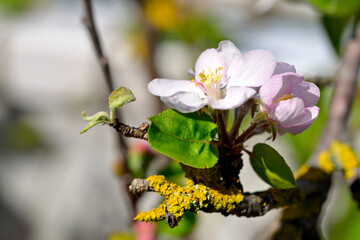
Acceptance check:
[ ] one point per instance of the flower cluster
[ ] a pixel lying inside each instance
(225, 78)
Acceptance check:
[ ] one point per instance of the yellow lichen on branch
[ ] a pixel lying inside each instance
(154, 215)
(339, 156)
(302, 171)
(192, 197)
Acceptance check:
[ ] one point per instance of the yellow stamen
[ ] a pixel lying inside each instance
(285, 97)
(210, 82)
(211, 77)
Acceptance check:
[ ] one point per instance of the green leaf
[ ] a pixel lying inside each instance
(337, 7)
(271, 167)
(100, 117)
(184, 137)
(334, 27)
(119, 97)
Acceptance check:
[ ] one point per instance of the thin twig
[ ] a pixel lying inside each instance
(88, 20)
(343, 97)
(246, 133)
(127, 131)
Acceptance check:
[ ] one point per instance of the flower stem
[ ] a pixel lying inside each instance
(222, 128)
(240, 113)
(244, 136)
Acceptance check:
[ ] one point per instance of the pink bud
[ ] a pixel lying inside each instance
(290, 102)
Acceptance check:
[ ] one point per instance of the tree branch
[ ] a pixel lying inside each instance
(89, 22)
(252, 205)
(139, 186)
(310, 193)
(127, 131)
(300, 221)
(343, 96)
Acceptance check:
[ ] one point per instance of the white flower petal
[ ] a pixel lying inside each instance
(228, 51)
(185, 102)
(235, 96)
(166, 87)
(251, 69)
(210, 58)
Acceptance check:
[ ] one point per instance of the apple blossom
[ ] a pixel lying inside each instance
(224, 79)
(289, 101)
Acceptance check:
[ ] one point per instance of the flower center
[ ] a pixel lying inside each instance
(285, 97)
(210, 83)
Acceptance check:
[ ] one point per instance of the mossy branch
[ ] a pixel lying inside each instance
(198, 197)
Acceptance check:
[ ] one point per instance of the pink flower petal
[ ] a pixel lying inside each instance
(167, 87)
(228, 51)
(282, 67)
(251, 69)
(308, 92)
(289, 113)
(235, 96)
(278, 86)
(185, 102)
(290, 81)
(269, 90)
(298, 129)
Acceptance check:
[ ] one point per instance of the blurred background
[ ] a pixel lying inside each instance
(57, 184)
